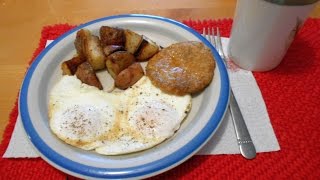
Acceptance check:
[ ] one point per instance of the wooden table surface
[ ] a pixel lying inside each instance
(21, 23)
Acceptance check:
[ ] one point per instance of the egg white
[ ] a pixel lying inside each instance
(114, 123)
(81, 115)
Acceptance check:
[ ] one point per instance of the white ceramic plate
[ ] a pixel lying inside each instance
(208, 107)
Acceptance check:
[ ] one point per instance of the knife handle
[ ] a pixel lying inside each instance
(245, 143)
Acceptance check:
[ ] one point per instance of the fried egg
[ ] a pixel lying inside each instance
(118, 122)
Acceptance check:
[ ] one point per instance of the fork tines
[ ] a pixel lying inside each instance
(215, 39)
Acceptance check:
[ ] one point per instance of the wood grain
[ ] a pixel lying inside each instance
(21, 23)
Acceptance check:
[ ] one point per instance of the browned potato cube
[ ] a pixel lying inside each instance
(69, 67)
(146, 50)
(133, 41)
(89, 49)
(79, 43)
(113, 68)
(118, 61)
(94, 53)
(65, 69)
(111, 49)
(112, 36)
(86, 74)
(129, 76)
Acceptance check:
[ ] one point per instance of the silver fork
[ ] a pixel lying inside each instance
(244, 140)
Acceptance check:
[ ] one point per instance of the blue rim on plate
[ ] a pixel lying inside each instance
(154, 167)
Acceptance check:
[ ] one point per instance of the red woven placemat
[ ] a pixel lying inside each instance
(291, 92)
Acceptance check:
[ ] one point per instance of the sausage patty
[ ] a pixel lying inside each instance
(182, 68)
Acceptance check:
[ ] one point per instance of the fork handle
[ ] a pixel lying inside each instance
(245, 143)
